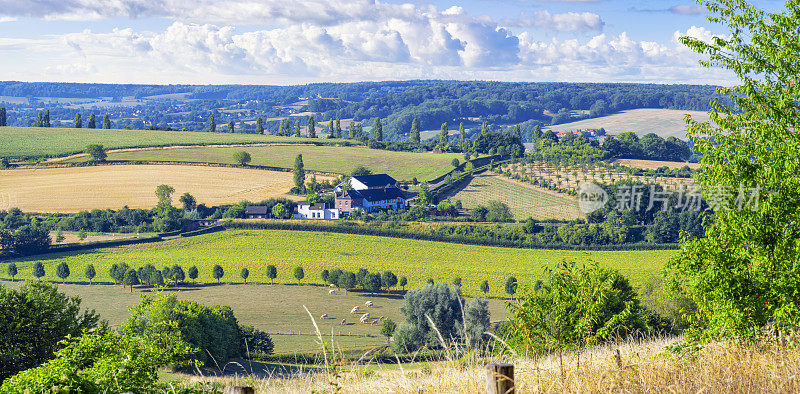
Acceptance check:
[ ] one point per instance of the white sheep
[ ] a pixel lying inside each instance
(324, 316)
(354, 310)
(365, 316)
(375, 322)
(331, 291)
(344, 321)
(368, 303)
(332, 285)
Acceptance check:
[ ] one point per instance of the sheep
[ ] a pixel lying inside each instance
(375, 322)
(354, 310)
(332, 285)
(331, 291)
(324, 316)
(368, 303)
(344, 321)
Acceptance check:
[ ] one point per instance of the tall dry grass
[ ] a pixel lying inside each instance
(645, 367)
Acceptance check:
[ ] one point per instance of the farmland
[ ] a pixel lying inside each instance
(664, 122)
(314, 251)
(523, 199)
(37, 142)
(400, 165)
(78, 188)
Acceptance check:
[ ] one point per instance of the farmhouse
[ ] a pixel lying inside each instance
(307, 210)
(256, 212)
(371, 193)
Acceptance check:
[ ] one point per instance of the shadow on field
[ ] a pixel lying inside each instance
(243, 367)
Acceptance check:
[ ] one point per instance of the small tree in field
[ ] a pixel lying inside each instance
(131, 279)
(511, 286)
(485, 287)
(38, 270)
(457, 281)
(387, 329)
(193, 273)
(244, 274)
(388, 279)
(90, 272)
(241, 158)
(299, 274)
(217, 272)
(403, 282)
(96, 151)
(324, 275)
(272, 273)
(12, 270)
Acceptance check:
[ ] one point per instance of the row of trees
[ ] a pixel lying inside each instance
(372, 282)
(43, 120)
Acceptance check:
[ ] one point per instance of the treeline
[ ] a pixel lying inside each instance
(574, 149)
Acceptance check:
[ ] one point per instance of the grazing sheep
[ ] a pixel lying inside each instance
(381, 318)
(365, 316)
(344, 321)
(375, 322)
(331, 291)
(354, 310)
(368, 303)
(324, 316)
(333, 285)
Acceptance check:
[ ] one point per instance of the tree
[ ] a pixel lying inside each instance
(78, 121)
(444, 134)
(331, 132)
(92, 122)
(106, 122)
(325, 275)
(388, 279)
(260, 126)
(387, 329)
(244, 274)
(90, 273)
(434, 305)
(212, 124)
(177, 274)
(377, 130)
(297, 128)
(279, 211)
(38, 270)
(131, 279)
(425, 196)
(476, 321)
(312, 127)
(241, 157)
(511, 286)
(46, 118)
(462, 136)
(338, 128)
(360, 130)
(346, 280)
(97, 152)
(517, 132)
(231, 126)
(299, 172)
(498, 211)
(455, 163)
(36, 318)
(485, 287)
(188, 202)
(217, 272)
(3, 118)
(39, 121)
(403, 282)
(117, 272)
(193, 273)
(164, 194)
(457, 281)
(299, 274)
(258, 342)
(272, 273)
(414, 134)
(371, 282)
(12, 270)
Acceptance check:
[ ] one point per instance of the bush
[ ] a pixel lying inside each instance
(33, 320)
(257, 342)
(441, 303)
(476, 321)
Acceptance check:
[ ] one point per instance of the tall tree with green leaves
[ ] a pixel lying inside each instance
(299, 172)
(46, 118)
(272, 273)
(360, 130)
(281, 127)
(462, 134)
(231, 126)
(351, 130)
(485, 287)
(131, 279)
(244, 274)
(38, 270)
(39, 120)
(106, 122)
(297, 128)
(193, 273)
(3, 118)
(96, 151)
(331, 131)
(260, 126)
(312, 127)
(299, 274)
(212, 123)
(414, 134)
(744, 274)
(377, 130)
(484, 128)
(217, 272)
(517, 131)
(444, 134)
(92, 122)
(338, 128)
(89, 272)
(12, 270)
(78, 121)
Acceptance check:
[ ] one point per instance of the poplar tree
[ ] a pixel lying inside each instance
(39, 121)
(377, 130)
(260, 126)
(444, 134)
(484, 128)
(330, 129)
(280, 127)
(462, 135)
(351, 130)
(414, 135)
(106, 122)
(299, 172)
(297, 128)
(212, 124)
(3, 120)
(360, 130)
(338, 128)
(78, 121)
(230, 126)
(517, 131)
(46, 118)
(312, 127)
(92, 122)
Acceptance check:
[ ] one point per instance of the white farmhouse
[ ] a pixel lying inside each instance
(307, 210)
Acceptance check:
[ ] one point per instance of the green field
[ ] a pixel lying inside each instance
(339, 159)
(524, 200)
(50, 142)
(315, 251)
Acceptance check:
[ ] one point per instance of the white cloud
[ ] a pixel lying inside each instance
(7, 19)
(684, 9)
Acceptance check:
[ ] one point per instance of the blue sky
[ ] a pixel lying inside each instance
(300, 41)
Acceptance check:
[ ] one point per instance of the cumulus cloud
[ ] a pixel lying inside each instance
(568, 21)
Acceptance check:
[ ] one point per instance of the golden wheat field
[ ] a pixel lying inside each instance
(85, 188)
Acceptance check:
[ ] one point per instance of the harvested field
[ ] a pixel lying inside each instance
(654, 164)
(664, 122)
(85, 188)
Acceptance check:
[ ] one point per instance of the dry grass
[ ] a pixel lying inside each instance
(75, 189)
(654, 164)
(664, 122)
(646, 367)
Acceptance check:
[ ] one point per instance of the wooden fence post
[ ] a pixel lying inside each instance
(499, 378)
(240, 390)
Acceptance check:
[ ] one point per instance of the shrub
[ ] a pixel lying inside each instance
(476, 321)
(257, 342)
(441, 303)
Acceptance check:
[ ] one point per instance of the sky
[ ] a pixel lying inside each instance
(287, 42)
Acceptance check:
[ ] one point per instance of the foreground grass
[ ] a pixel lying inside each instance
(48, 142)
(645, 367)
(314, 251)
(338, 159)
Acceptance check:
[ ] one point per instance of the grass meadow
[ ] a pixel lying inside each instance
(664, 122)
(524, 200)
(418, 260)
(340, 159)
(115, 186)
(35, 142)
